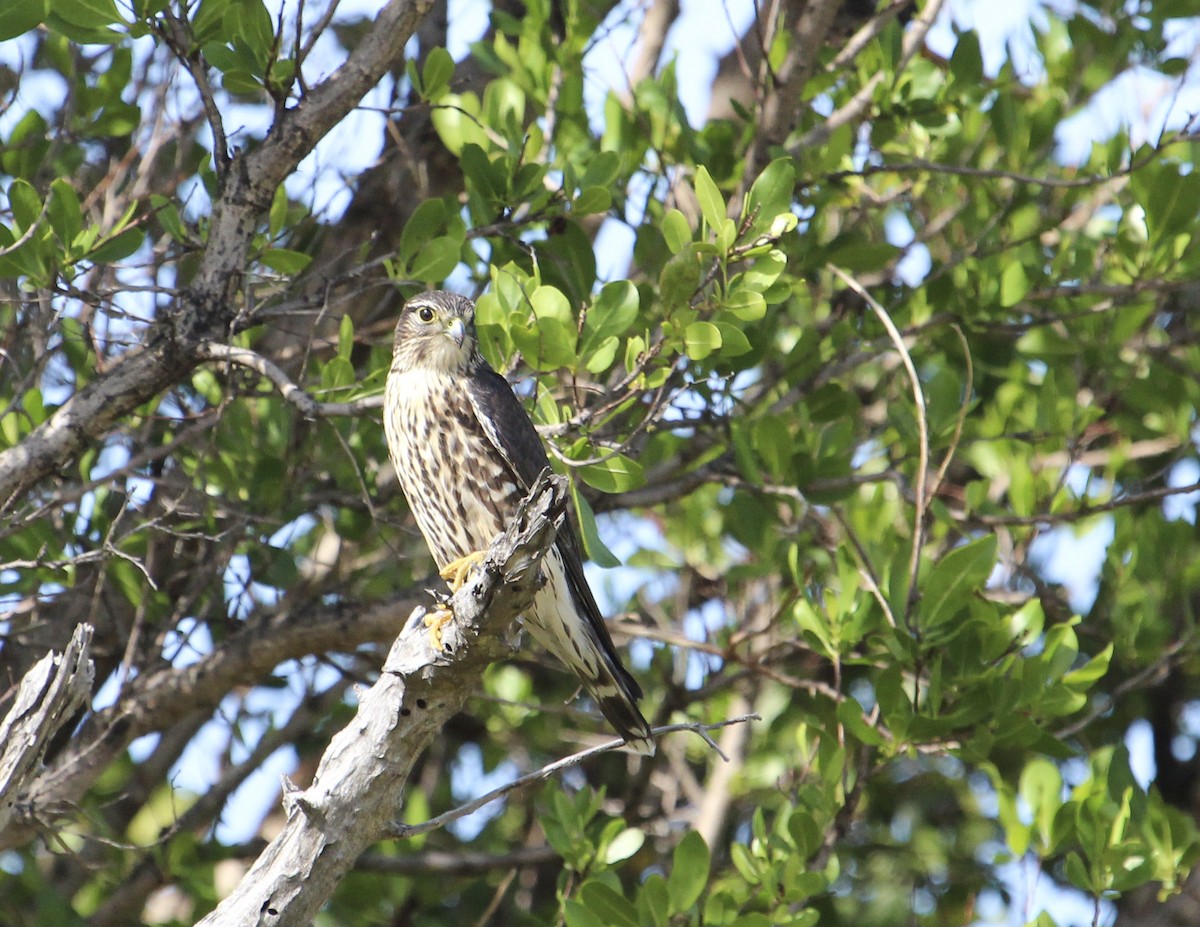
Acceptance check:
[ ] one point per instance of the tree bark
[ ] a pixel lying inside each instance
(359, 786)
(50, 694)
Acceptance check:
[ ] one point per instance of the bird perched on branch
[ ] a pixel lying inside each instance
(466, 453)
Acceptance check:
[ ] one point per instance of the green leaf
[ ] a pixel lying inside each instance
(345, 337)
(712, 204)
(678, 281)
(435, 77)
(168, 215)
(956, 578)
(567, 261)
(859, 256)
(337, 373)
(593, 547)
(128, 579)
(764, 271)
(652, 901)
(435, 262)
(34, 406)
(1091, 672)
(10, 428)
(456, 121)
(602, 170)
(118, 247)
(624, 845)
(600, 358)
(1013, 284)
(753, 919)
(747, 305)
(18, 18)
(578, 915)
(1077, 873)
(66, 215)
(283, 261)
(733, 340)
(27, 145)
(1041, 788)
(91, 14)
(25, 202)
(242, 81)
(966, 64)
(772, 192)
(210, 21)
(1169, 207)
(783, 224)
(676, 230)
(745, 863)
(701, 339)
(613, 312)
(612, 909)
(617, 473)
(850, 714)
(689, 872)
(591, 200)
(549, 303)
(504, 107)
(277, 214)
(547, 344)
(426, 219)
(253, 34)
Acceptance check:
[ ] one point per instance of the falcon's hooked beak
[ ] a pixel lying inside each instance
(457, 330)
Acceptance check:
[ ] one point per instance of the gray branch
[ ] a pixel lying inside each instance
(48, 697)
(359, 785)
(160, 698)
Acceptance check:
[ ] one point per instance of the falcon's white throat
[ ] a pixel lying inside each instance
(445, 355)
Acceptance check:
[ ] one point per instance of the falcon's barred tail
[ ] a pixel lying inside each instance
(582, 649)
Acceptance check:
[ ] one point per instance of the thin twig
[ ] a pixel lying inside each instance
(940, 476)
(178, 38)
(857, 106)
(1086, 511)
(921, 165)
(28, 233)
(455, 865)
(922, 501)
(864, 36)
(1151, 675)
(292, 393)
(401, 830)
(866, 567)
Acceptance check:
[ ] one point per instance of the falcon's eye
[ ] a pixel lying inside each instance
(425, 314)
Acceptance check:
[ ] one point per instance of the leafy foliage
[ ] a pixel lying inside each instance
(881, 366)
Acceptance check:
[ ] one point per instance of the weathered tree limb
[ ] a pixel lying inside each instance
(359, 785)
(49, 695)
(159, 698)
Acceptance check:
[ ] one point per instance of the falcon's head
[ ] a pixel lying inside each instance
(436, 332)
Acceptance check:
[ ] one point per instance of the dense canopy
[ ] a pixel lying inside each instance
(870, 351)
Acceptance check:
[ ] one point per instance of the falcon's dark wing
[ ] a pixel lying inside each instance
(507, 425)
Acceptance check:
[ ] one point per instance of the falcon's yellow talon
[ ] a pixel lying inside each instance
(435, 621)
(455, 572)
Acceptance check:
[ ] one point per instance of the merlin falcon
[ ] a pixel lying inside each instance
(466, 454)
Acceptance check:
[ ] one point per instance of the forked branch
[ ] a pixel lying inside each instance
(362, 777)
